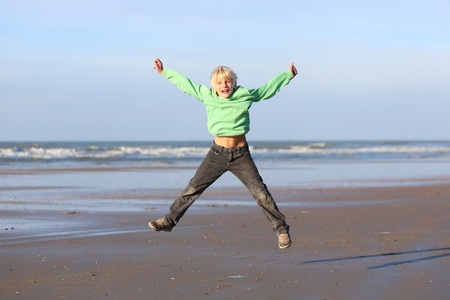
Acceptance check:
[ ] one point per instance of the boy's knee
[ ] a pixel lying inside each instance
(190, 190)
(263, 197)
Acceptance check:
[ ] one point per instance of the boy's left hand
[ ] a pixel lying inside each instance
(293, 69)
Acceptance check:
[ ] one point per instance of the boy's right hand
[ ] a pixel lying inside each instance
(158, 66)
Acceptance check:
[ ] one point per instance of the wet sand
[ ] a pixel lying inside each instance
(348, 243)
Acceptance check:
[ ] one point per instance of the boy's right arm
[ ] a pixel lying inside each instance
(182, 82)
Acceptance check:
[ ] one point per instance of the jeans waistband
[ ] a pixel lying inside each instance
(232, 149)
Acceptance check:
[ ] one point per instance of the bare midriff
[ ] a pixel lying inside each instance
(231, 141)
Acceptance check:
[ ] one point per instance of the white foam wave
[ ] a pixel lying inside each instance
(176, 152)
(312, 149)
(37, 153)
(94, 152)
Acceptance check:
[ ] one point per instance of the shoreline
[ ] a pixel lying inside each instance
(388, 242)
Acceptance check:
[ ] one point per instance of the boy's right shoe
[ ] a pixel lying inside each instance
(160, 225)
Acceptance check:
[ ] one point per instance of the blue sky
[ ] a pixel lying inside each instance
(83, 70)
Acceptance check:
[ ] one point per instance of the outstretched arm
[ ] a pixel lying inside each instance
(274, 85)
(158, 65)
(182, 82)
(291, 68)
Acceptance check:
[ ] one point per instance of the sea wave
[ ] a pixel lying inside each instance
(173, 152)
(98, 153)
(398, 149)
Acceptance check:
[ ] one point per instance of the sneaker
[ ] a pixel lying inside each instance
(284, 241)
(160, 225)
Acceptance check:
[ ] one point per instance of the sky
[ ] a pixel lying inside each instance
(83, 70)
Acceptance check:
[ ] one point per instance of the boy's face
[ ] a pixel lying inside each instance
(224, 87)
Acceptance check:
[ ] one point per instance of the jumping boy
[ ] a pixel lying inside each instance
(227, 107)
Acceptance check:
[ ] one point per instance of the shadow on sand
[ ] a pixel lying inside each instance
(389, 254)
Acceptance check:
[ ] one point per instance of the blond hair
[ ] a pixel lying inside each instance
(223, 72)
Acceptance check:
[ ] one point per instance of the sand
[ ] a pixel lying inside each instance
(348, 243)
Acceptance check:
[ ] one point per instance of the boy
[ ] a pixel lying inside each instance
(227, 107)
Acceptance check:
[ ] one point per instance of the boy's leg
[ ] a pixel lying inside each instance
(244, 168)
(212, 167)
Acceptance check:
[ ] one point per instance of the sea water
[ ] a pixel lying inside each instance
(17, 154)
(172, 164)
(49, 179)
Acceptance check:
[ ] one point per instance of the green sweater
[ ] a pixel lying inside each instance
(228, 116)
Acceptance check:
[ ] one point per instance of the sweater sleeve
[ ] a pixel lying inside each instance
(272, 87)
(186, 85)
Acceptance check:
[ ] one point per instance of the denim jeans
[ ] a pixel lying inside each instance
(238, 161)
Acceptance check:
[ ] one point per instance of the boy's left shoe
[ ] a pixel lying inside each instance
(284, 240)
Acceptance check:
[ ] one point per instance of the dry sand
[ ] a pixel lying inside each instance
(364, 243)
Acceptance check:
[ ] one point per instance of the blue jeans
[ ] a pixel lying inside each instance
(238, 161)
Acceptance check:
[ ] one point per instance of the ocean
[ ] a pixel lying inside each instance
(112, 177)
(121, 154)
(172, 164)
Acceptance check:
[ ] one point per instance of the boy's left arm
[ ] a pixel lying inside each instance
(274, 85)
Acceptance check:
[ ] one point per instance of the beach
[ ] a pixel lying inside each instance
(81, 233)
(368, 220)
